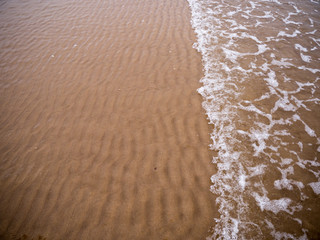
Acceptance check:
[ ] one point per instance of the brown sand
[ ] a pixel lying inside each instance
(102, 131)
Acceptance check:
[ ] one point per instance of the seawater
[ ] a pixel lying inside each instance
(261, 94)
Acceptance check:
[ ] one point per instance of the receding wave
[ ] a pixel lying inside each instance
(261, 94)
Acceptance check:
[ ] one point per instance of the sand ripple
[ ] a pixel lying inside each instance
(102, 132)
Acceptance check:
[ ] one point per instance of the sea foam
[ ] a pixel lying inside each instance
(261, 94)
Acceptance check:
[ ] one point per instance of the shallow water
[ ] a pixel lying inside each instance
(261, 94)
(102, 134)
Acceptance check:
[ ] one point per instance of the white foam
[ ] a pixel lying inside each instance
(283, 63)
(315, 187)
(284, 182)
(284, 34)
(305, 58)
(286, 161)
(274, 206)
(283, 235)
(257, 170)
(299, 47)
(271, 79)
(242, 181)
(308, 130)
(313, 70)
(254, 138)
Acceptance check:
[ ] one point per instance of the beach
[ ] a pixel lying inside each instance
(187, 119)
(102, 131)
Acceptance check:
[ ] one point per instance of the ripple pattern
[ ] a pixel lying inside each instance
(102, 134)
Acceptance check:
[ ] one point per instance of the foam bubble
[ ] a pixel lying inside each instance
(284, 34)
(271, 79)
(274, 206)
(299, 47)
(305, 58)
(315, 187)
(242, 181)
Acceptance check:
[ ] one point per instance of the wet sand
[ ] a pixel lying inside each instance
(102, 134)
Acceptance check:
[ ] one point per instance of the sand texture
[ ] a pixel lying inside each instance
(102, 134)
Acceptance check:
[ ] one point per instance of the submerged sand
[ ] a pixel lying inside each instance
(101, 128)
